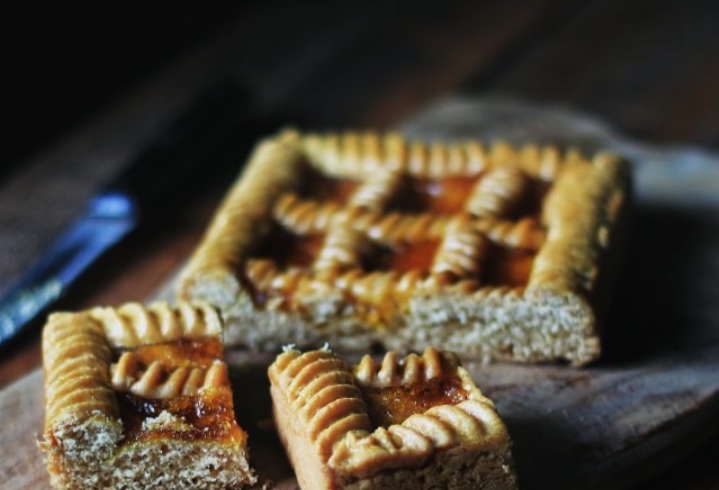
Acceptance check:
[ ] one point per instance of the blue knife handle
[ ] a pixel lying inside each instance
(109, 217)
(209, 130)
(23, 305)
(213, 129)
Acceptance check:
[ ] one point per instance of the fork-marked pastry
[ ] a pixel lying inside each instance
(496, 253)
(139, 397)
(412, 423)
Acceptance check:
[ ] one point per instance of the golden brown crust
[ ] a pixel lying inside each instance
(323, 418)
(100, 362)
(512, 240)
(76, 361)
(577, 216)
(156, 382)
(133, 324)
(243, 216)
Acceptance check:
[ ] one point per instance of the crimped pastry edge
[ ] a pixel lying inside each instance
(345, 447)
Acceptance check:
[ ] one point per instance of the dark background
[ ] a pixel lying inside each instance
(64, 64)
(648, 68)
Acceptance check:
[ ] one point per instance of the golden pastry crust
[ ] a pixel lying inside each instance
(418, 417)
(157, 382)
(359, 239)
(125, 384)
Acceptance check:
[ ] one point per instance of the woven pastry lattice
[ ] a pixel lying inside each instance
(381, 219)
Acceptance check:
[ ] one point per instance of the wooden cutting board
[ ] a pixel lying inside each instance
(607, 426)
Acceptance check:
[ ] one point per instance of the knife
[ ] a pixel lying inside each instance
(207, 133)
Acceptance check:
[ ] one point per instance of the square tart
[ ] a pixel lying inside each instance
(139, 397)
(414, 423)
(497, 253)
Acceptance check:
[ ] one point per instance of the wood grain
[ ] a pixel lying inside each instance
(648, 402)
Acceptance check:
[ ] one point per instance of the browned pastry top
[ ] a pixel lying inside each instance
(372, 221)
(155, 371)
(395, 414)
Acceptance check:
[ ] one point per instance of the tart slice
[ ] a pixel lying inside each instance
(415, 423)
(139, 397)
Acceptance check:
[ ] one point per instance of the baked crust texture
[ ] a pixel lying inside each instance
(417, 422)
(116, 382)
(496, 253)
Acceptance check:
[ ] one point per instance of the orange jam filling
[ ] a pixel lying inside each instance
(531, 205)
(507, 267)
(287, 249)
(403, 257)
(181, 353)
(207, 416)
(393, 405)
(320, 187)
(437, 196)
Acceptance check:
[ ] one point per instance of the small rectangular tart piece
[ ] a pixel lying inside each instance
(139, 397)
(412, 423)
(496, 253)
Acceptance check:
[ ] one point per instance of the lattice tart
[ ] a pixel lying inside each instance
(139, 397)
(359, 239)
(414, 423)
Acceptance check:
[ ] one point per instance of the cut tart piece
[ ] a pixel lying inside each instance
(362, 239)
(139, 397)
(415, 423)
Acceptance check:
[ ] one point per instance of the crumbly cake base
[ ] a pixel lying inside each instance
(454, 469)
(172, 465)
(90, 462)
(499, 326)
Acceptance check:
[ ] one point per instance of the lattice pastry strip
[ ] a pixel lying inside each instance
(156, 381)
(364, 426)
(343, 245)
(495, 195)
(306, 217)
(133, 324)
(495, 252)
(353, 154)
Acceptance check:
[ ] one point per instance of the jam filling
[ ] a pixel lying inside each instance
(207, 416)
(531, 205)
(505, 266)
(287, 249)
(500, 266)
(320, 187)
(393, 405)
(402, 257)
(437, 196)
(180, 353)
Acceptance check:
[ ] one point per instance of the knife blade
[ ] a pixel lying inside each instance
(206, 132)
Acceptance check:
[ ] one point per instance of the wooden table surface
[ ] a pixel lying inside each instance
(647, 68)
